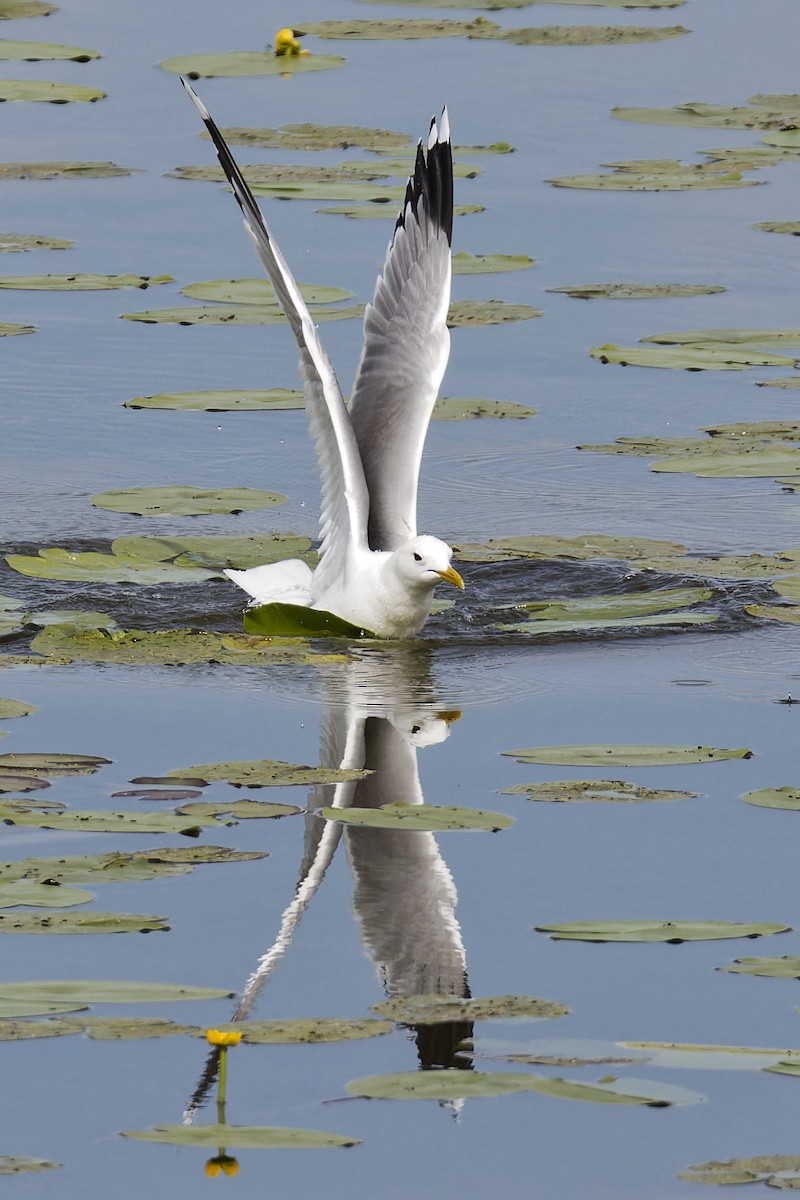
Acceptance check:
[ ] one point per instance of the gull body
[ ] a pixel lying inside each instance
(374, 570)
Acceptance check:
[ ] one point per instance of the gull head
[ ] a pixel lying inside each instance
(424, 561)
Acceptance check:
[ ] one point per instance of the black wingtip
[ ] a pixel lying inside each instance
(432, 180)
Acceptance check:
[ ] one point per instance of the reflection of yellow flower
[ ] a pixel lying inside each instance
(225, 1163)
(287, 45)
(222, 1037)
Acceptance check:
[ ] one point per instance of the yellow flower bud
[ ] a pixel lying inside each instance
(222, 1037)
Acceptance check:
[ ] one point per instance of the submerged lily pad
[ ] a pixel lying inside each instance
(232, 400)
(787, 967)
(13, 242)
(52, 93)
(14, 708)
(604, 791)
(40, 895)
(778, 1170)
(65, 170)
(782, 797)
(99, 821)
(107, 991)
(240, 63)
(217, 550)
(436, 1009)
(259, 291)
(434, 817)
(235, 1137)
(184, 501)
(268, 772)
(454, 408)
(452, 1084)
(43, 51)
(657, 931)
(104, 568)
(699, 357)
(489, 264)
(582, 547)
(80, 282)
(624, 756)
(488, 312)
(638, 291)
(20, 1166)
(91, 922)
(308, 136)
(293, 620)
(241, 314)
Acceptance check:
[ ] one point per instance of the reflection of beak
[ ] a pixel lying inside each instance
(451, 576)
(453, 714)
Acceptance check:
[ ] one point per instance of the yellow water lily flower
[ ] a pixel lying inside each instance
(287, 45)
(222, 1037)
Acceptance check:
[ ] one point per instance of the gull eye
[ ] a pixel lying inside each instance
(417, 557)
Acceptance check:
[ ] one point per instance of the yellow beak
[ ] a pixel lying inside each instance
(452, 576)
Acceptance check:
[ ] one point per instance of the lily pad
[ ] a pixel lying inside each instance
(308, 136)
(14, 708)
(684, 178)
(11, 10)
(185, 501)
(259, 291)
(603, 791)
(104, 568)
(293, 177)
(386, 212)
(268, 772)
(63, 170)
(43, 51)
(41, 895)
(787, 614)
(452, 1084)
(790, 227)
(308, 1030)
(13, 242)
(240, 63)
(52, 764)
(232, 400)
(787, 967)
(293, 620)
(235, 1137)
(583, 35)
(169, 647)
(91, 922)
(778, 1170)
(23, 1031)
(17, 781)
(242, 314)
(724, 566)
(194, 854)
(638, 291)
(538, 628)
(455, 408)
(434, 817)
(79, 282)
(106, 991)
(9, 329)
(393, 30)
(496, 5)
(624, 756)
(790, 588)
(590, 609)
(78, 618)
(699, 357)
(126, 1029)
(21, 1166)
(217, 550)
(95, 868)
(52, 93)
(490, 264)
(582, 547)
(240, 809)
(488, 312)
(436, 1009)
(657, 931)
(712, 116)
(787, 798)
(737, 336)
(98, 821)
(749, 464)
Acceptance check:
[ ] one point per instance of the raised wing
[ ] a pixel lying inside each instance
(345, 502)
(406, 346)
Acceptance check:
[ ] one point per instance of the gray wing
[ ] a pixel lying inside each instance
(406, 346)
(345, 502)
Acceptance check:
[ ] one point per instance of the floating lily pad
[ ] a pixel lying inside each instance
(11, 10)
(385, 211)
(293, 620)
(790, 227)
(107, 991)
(582, 547)
(240, 809)
(790, 588)
(624, 756)
(43, 51)
(684, 178)
(451, 1084)
(603, 791)
(728, 566)
(65, 170)
(316, 137)
(91, 922)
(242, 314)
(17, 781)
(787, 614)
(14, 708)
(268, 772)
(749, 464)
(24, 1008)
(9, 807)
(778, 1170)
(185, 501)
(436, 1009)
(217, 550)
(52, 764)
(719, 1058)
(168, 647)
(235, 1137)
(80, 282)
(638, 291)
(490, 264)
(537, 628)
(787, 967)
(104, 568)
(78, 618)
(583, 35)
(259, 291)
(783, 137)
(9, 329)
(556, 1052)
(20, 1166)
(293, 177)
(233, 400)
(248, 62)
(126, 1029)
(172, 795)
(737, 336)
(12, 242)
(41, 895)
(96, 868)
(657, 931)
(12, 619)
(308, 1030)
(699, 357)
(434, 817)
(784, 1068)
(23, 1031)
(712, 116)
(98, 821)
(782, 797)
(52, 93)
(488, 312)
(496, 5)
(392, 30)
(592, 610)
(453, 408)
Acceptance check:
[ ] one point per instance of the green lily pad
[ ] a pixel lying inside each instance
(241, 63)
(790, 588)
(738, 336)
(782, 137)
(293, 620)
(582, 547)
(232, 400)
(23, 1008)
(240, 809)
(624, 756)
(9, 329)
(308, 1030)
(657, 931)
(786, 382)
(749, 464)
(538, 628)
(63, 170)
(784, 1068)
(43, 51)
(790, 227)
(14, 708)
(638, 291)
(434, 817)
(8, 808)
(719, 1058)
(79, 282)
(17, 781)
(684, 178)
(455, 408)
(91, 922)
(107, 991)
(11, 10)
(78, 618)
(392, 30)
(13, 242)
(293, 177)
(711, 116)
(778, 1170)
(52, 93)
(386, 212)
(97, 821)
(583, 35)
(490, 264)
(41, 895)
(268, 772)
(787, 614)
(451, 1084)
(169, 647)
(94, 868)
(52, 764)
(556, 1052)
(728, 566)
(699, 357)
(316, 137)
(590, 609)
(20, 1166)
(235, 1137)
(488, 312)
(242, 314)
(192, 855)
(259, 291)
(787, 798)
(126, 1029)
(184, 501)
(23, 1031)
(604, 791)
(104, 568)
(217, 551)
(436, 1009)
(787, 967)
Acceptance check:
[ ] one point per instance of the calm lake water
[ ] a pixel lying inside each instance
(398, 913)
